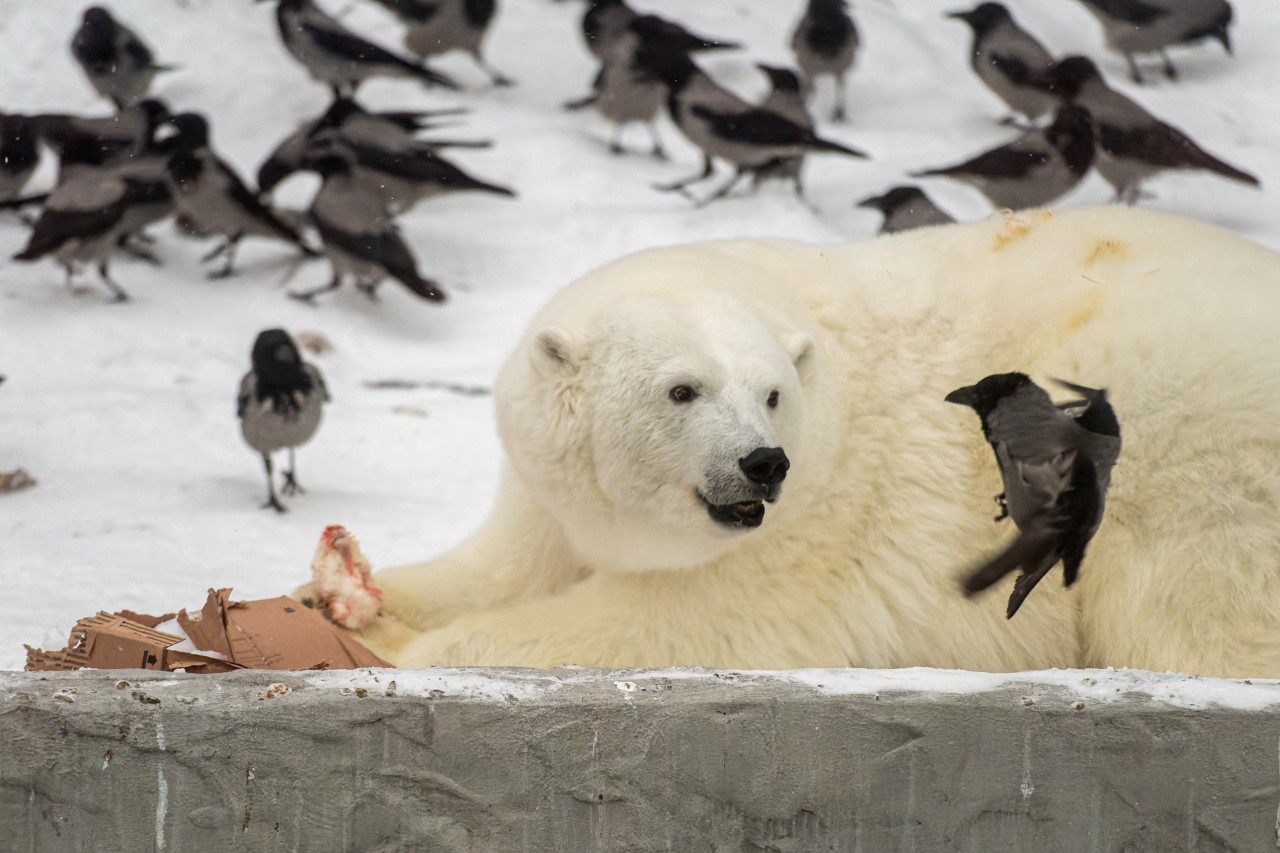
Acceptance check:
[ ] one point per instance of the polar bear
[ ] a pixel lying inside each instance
(737, 454)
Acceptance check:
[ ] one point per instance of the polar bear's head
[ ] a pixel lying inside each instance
(655, 419)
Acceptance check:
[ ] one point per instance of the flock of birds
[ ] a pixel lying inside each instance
(119, 174)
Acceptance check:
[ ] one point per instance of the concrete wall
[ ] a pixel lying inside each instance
(682, 760)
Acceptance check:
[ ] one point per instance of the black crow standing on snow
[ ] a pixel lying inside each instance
(605, 21)
(1008, 59)
(360, 236)
(391, 132)
(279, 405)
(1037, 168)
(439, 26)
(119, 65)
(402, 179)
(336, 56)
(82, 221)
(1149, 26)
(625, 90)
(1133, 145)
(214, 199)
(102, 197)
(904, 208)
(786, 98)
(721, 124)
(825, 42)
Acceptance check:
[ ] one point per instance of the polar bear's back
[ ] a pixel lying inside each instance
(1180, 320)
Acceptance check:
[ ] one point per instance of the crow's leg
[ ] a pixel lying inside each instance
(117, 292)
(228, 268)
(290, 485)
(724, 190)
(272, 501)
(496, 77)
(129, 244)
(309, 296)
(1133, 68)
(837, 112)
(679, 186)
(217, 251)
(657, 152)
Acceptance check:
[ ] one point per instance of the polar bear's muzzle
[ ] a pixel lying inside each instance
(765, 468)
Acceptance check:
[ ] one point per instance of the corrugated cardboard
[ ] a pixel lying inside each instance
(110, 641)
(273, 633)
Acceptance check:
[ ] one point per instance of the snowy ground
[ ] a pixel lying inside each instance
(125, 413)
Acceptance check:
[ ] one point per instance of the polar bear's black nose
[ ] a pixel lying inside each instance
(765, 465)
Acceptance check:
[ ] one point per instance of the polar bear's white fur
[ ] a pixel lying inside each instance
(600, 549)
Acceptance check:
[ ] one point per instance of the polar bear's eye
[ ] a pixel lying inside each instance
(682, 394)
(773, 400)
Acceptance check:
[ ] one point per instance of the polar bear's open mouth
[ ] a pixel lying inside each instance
(740, 514)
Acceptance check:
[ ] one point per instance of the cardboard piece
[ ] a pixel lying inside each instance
(273, 633)
(110, 641)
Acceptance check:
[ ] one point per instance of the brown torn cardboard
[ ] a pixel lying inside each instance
(274, 633)
(110, 641)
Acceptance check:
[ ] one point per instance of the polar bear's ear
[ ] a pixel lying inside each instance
(552, 353)
(800, 347)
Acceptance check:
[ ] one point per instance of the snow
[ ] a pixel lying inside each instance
(1060, 686)
(147, 495)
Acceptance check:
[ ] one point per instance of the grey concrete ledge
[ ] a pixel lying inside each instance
(684, 760)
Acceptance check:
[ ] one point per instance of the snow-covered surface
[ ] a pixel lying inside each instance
(1091, 686)
(125, 413)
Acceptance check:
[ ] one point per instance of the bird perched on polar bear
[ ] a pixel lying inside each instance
(628, 530)
(1055, 463)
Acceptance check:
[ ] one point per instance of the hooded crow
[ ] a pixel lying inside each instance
(336, 56)
(1132, 144)
(214, 199)
(904, 208)
(119, 65)
(786, 98)
(825, 42)
(1008, 59)
(360, 236)
(625, 89)
(1036, 169)
(1132, 27)
(392, 132)
(279, 405)
(439, 26)
(721, 124)
(1055, 462)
